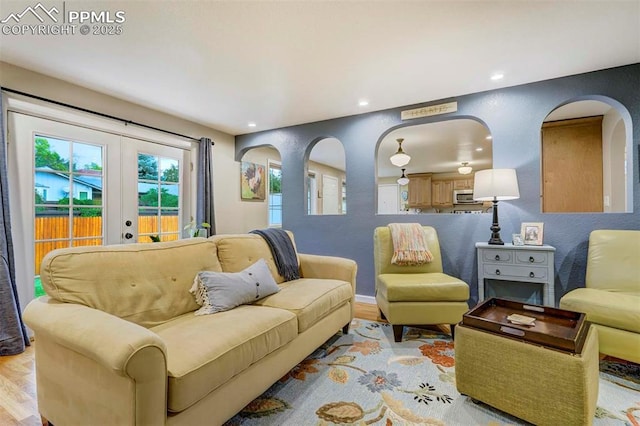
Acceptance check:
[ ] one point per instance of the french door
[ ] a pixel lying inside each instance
(74, 186)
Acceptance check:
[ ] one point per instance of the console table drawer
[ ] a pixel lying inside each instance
(531, 258)
(520, 272)
(502, 256)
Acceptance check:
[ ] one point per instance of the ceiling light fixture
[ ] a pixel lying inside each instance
(497, 76)
(478, 149)
(403, 180)
(465, 169)
(400, 158)
(489, 137)
(363, 102)
(251, 124)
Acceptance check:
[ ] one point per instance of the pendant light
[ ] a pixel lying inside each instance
(465, 169)
(403, 180)
(400, 158)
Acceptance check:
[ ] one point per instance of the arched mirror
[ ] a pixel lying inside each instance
(585, 159)
(260, 186)
(438, 178)
(326, 178)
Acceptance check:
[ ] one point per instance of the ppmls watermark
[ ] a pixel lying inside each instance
(58, 20)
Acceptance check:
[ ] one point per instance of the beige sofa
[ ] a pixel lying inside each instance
(117, 341)
(611, 296)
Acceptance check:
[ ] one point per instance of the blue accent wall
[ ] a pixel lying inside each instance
(514, 117)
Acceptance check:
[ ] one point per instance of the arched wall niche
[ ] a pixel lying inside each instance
(587, 157)
(261, 192)
(439, 149)
(325, 177)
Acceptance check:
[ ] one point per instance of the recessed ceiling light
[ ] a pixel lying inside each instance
(489, 137)
(363, 102)
(252, 124)
(479, 149)
(497, 76)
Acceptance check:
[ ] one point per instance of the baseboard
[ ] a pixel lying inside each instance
(365, 299)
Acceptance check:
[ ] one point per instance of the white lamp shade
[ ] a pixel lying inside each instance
(495, 184)
(400, 159)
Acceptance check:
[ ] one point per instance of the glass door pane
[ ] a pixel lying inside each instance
(160, 197)
(68, 203)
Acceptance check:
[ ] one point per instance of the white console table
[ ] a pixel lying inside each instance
(530, 264)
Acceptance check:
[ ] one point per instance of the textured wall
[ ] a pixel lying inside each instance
(514, 116)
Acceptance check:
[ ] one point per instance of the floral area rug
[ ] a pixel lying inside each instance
(367, 378)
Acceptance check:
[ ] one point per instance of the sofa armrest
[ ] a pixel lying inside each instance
(93, 361)
(328, 267)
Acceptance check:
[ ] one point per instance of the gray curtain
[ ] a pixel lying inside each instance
(204, 193)
(13, 334)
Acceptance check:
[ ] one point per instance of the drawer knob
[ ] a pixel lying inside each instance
(532, 275)
(497, 271)
(497, 257)
(531, 259)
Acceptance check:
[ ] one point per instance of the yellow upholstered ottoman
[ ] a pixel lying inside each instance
(537, 384)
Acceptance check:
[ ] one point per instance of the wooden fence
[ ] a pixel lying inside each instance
(57, 228)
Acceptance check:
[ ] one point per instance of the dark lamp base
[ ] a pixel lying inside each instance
(495, 227)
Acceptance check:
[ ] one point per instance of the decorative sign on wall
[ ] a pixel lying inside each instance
(429, 110)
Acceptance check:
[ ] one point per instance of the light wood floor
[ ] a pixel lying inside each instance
(18, 405)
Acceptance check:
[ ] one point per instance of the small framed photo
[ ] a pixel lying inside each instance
(517, 239)
(532, 233)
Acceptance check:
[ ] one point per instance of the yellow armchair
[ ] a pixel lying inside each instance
(611, 296)
(416, 295)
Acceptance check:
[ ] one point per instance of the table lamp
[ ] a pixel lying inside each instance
(495, 185)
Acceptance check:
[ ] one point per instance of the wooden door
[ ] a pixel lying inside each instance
(572, 165)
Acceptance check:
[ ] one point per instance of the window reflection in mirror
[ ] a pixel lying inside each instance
(440, 153)
(326, 178)
(584, 159)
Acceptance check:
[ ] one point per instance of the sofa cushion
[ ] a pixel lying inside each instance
(310, 299)
(435, 286)
(143, 283)
(221, 291)
(614, 309)
(238, 251)
(203, 352)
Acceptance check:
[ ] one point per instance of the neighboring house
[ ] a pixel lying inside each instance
(53, 186)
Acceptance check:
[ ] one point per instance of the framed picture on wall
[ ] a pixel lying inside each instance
(252, 181)
(532, 233)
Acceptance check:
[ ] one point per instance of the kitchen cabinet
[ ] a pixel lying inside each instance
(463, 183)
(419, 190)
(442, 193)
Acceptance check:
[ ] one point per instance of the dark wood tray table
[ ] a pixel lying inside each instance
(554, 328)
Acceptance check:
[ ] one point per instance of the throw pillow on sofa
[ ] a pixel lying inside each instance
(221, 291)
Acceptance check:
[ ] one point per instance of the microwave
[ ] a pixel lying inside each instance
(464, 196)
